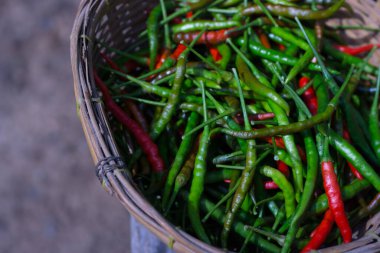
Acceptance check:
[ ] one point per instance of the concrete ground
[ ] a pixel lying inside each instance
(50, 198)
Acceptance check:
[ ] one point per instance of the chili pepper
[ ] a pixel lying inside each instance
(283, 167)
(280, 216)
(111, 63)
(358, 129)
(148, 146)
(264, 39)
(356, 50)
(309, 95)
(292, 127)
(312, 169)
(277, 56)
(178, 51)
(197, 184)
(216, 56)
(348, 192)
(284, 185)
(280, 144)
(354, 157)
(247, 175)
(320, 234)
(225, 52)
(258, 74)
(173, 99)
(137, 115)
(254, 117)
(161, 59)
(289, 37)
(230, 122)
(347, 59)
(300, 65)
(183, 177)
(238, 155)
(152, 28)
(239, 228)
(291, 12)
(258, 88)
(180, 157)
(193, 26)
(270, 185)
(334, 196)
(208, 38)
(374, 120)
(354, 171)
(291, 148)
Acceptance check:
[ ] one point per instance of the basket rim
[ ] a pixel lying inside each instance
(102, 146)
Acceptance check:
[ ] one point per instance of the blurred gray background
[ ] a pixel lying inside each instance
(51, 200)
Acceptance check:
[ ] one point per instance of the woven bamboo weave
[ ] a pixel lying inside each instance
(117, 23)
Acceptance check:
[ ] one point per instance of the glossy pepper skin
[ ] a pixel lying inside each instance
(320, 234)
(330, 183)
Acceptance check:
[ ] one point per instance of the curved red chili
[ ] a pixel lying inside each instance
(319, 235)
(309, 95)
(143, 139)
(334, 196)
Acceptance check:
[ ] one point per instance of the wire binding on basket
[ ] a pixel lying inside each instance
(108, 164)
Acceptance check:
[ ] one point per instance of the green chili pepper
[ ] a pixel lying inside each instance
(291, 12)
(292, 127)
(197, 184)
(152, 27)
(179, 159)
(276, 56)
(354, 157)
(199, 25)
(239, 228)
(173, 99)
(291, 147)
(257, 87)
(284, 185)
(312, 169)
(374, 120)
(247, 174)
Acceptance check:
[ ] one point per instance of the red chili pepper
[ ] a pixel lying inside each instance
(137, 115)
(280, 143)
(356, 50)
(253, 117)
(281, 47)
(130, 65)
(112, 64)
(189, 14)
(208, 38)
(309, 95)
(270, 185)
(281, 166)
(178, 51)
(143, 139)
(177, 20)
(334, 196)
(355, 172)
(216, 56)
(264, 39)
(161, 58)
(319, 235)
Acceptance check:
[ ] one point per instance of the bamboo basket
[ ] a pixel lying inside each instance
(118, 24)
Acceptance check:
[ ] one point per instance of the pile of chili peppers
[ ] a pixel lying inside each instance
(250, 125)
